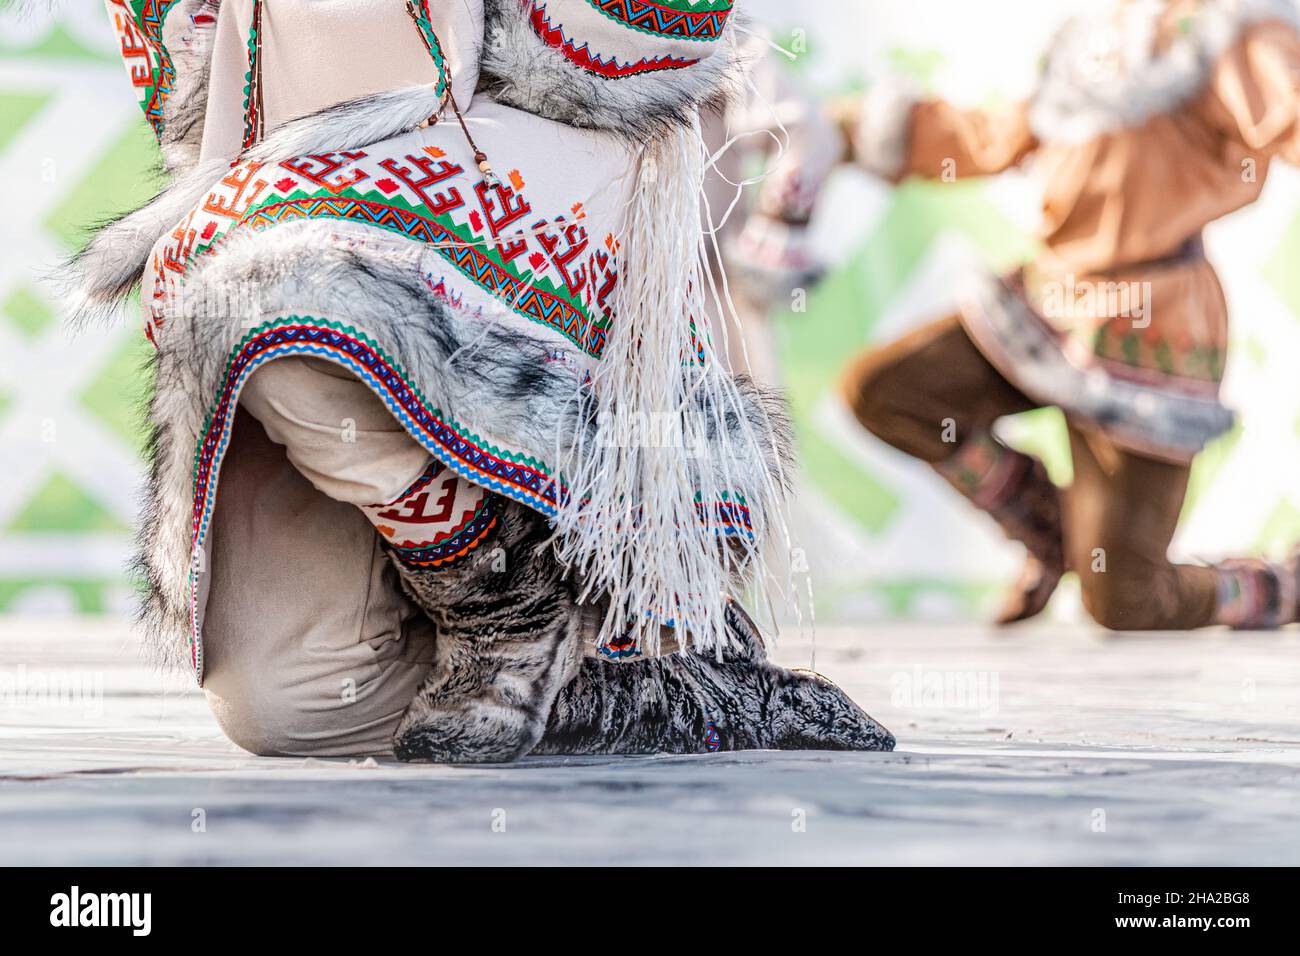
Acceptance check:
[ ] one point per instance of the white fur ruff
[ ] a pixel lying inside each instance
(1099, 79)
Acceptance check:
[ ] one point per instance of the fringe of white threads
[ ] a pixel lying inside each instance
(776, 583)
(640, 526)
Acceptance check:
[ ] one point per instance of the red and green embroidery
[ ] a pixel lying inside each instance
(139, 24)
(1162, 348)
(488, 234)
(1169, 352)
(673, 19)
(984, 470)
(581, 55)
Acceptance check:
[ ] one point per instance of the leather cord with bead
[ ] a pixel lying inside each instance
(490, 178)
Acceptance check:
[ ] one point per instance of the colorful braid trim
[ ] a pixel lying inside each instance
(419, 11)
(139, 25)
(582, 57)
(253, 79)
(712, 739)
(518, 477)
(620, 648)
(677, 20)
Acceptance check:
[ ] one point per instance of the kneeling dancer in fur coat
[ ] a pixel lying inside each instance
(440, 467)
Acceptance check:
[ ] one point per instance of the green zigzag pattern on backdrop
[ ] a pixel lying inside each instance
(58, 43)
(27, 311)
(62, 507)
(1280, 271)
(59, 509)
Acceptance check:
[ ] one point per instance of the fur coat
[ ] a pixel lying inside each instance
(506, 252)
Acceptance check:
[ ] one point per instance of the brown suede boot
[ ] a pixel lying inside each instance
(1014, 490)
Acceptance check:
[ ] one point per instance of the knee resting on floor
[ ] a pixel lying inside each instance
(1121, 600)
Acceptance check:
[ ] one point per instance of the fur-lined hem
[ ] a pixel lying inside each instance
(1158, 422)
(483, 398)
(519, 69)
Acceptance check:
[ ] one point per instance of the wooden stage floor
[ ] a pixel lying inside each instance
(1053, 744)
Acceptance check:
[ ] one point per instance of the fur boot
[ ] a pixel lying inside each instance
(692, 703)
(508, 635)
(509, 676)
(1016, 492)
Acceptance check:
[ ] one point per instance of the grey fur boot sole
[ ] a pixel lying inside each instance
(691, 703)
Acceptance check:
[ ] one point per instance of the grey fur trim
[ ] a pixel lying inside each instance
(508, 639)
(186, 107)
(161, 562)
(492, 377)
(101, 277)
(508, 668)
(520, 70)
(1075, 103)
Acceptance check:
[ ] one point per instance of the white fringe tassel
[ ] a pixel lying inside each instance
(672, 432)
